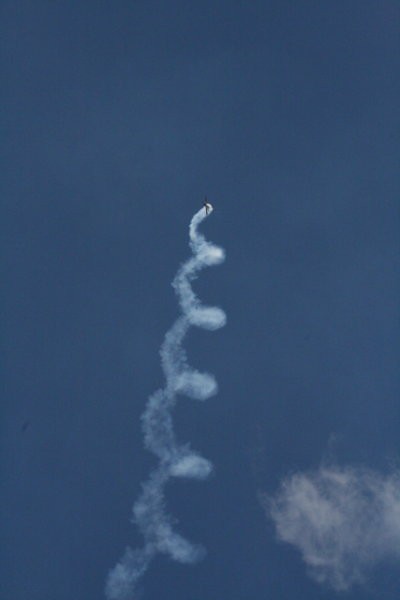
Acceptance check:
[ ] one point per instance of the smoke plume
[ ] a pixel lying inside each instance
(175, 460)
(345, 521)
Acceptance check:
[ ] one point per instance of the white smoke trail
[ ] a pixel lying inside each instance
(175, 460)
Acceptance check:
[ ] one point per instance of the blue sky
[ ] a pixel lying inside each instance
(117, 119)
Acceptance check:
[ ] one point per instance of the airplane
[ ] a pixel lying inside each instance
(207, 205)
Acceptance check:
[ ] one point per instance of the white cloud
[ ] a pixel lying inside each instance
(344, 521)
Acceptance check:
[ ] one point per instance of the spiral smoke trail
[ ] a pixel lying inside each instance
(174, 460)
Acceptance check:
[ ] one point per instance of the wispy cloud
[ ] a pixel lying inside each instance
(343, 520)
(175, 460)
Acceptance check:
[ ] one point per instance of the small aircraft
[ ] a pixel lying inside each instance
(207, 205)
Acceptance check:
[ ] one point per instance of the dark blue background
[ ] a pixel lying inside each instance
(117, 119)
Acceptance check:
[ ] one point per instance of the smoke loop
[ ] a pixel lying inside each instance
(175, 460)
